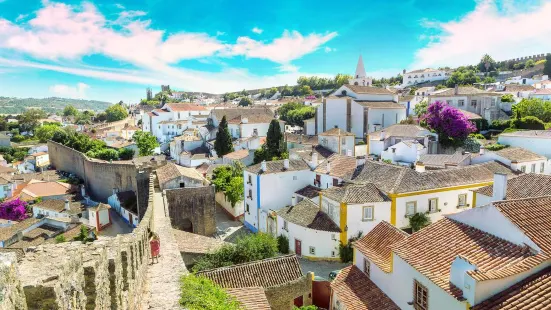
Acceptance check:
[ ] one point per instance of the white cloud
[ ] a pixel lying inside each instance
(119, 6)
(220, 33)
(21, 17)
(257, 30)
(328, 49)
(288, 68)
(66, 91)
(487, 30)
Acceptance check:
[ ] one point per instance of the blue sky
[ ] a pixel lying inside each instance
(112, 51)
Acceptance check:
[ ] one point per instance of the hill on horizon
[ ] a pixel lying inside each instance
(12, 105)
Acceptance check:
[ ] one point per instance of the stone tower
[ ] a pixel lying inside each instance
(360, 77)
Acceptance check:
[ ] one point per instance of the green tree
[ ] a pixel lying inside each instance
(420, 109)
(70, 110)
(29, 120)
(272, 91)
(146, 143)
(283, 244)
(305, 90)
(294, 113)
(530, 63)
(223, 143)
(46, 132)
(547, 66)
(418, 221)
(229, 180)
(462, 77)
(275, 147)
(507, 98)
(346, 251)
(488, 80)
(200, 293)
(486, 64)
(106, 154)
(245, 102)
(116, 113)
(126, 154)
(342, 79)
(60, 239)
(533, 107)
(83, 235)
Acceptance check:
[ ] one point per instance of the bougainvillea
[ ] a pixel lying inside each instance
(452, 126)
(13, 210)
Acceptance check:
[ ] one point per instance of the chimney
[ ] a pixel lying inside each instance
(328, 166)
(314, 159)
(500, 186)
(482, 150)
(456, 90)
(286, 164)
(383, 135)
(294, 200)
(419, 166)
(67, 205)
(263, 166)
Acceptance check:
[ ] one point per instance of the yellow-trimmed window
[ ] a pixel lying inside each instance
(462, 200)
(367, 213)
(411, 207)
(433, 205)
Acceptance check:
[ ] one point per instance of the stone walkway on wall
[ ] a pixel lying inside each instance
(163, 287)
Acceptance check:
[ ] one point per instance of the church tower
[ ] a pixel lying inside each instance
(360, 77)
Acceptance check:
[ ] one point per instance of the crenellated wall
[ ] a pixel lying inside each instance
(109, 273)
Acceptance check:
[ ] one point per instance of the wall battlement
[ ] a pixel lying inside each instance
(109, 273)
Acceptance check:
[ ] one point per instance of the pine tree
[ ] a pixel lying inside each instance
(223, 143)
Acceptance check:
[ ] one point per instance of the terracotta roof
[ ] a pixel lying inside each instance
(99, 207)
(395, 179)
(232, 113)
(308, 214)
(411, 131)
(533, 292)
(263, 273)
(171, 171)
(302, 139)
(470, 115)
(306, 152)
(516, 88)
(425, 70)
(494, 257)
(309, 191)
(368, 90)
(524, 186)
(356, 291)
(532, 216)
(250, 298)
(277, 166)
(4, 169)
(8, 232)
(543, 134)
(518, 154)
(355, 193)
(236, 155)
(58, 205)
(440, 160)
(194, 243)
(380, 104)
(185, 107)
(543, 91)
(252, 119)
(376, 244)
(336, 132)
(341, 166)
(462, 91)
(44, 189)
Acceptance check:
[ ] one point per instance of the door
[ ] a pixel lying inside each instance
(298, 247)
(130, 220)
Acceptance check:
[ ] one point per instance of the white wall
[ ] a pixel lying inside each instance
(403, 153)
(384, 117)
(536, 145)
(326, 243)
(103, 217)
(236, 210)
(335, 113)
(447, 203)
(357, 120)
(381, 212)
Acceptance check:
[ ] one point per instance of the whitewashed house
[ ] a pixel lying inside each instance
(125, 204)
(523, 186)
(519, 91)
(380, 141)
(517, 158)
(261, 198)
(185, 143)
(537, 141)
(424, 76)
(484, 103)
(490, 257)
(544, 94)
(7, 186)
(172, 119)
(404, 153)
(62, 208)
(99, 216)
(338, 141)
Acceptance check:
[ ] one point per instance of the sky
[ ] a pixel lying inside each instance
(114, 50)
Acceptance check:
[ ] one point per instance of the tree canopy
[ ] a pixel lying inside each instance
(200, 293)
(223, 143)
(70, 110)
(146, 142)
(462, 77)
(486, 64)
(29, 120)
(229, 180)
(275, 147)
(294, 113)
(245, 102)
(116, 112)
(46, 131)
(533, 107)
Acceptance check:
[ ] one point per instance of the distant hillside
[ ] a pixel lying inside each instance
(50, 105)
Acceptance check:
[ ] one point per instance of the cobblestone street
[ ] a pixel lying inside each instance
(320, 268)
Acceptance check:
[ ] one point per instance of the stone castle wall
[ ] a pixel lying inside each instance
(195, 204)
(109, 273)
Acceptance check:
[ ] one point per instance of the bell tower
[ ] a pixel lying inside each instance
(360, 77)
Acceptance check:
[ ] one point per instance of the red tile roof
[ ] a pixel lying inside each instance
(356, 291)
(185, 107)
(251, 298)
(432, 250)
(533, 292)
(376, 244)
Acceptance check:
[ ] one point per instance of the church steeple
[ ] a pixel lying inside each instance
(360, 70)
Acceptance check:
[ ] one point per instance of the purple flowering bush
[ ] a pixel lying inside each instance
(452, 126)
(13, 210)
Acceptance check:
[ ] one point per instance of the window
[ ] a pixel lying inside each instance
(411, 207)
(333, 253)
(523, 168)
(473, 103)
(493, 102)
(367, 213)
(396, 141)
(461, 102)
(433, 205)
(420, 296)
(542, 167)
(335, 182)
(250, 180)
(285, 225)
(312, 250)
(367, 267)
(295, 178)
(449, 102)
(343, 141)
(333, 237)
(462, 200)
(533, 168)
(255, 132)
(250, 193)
(247, 207)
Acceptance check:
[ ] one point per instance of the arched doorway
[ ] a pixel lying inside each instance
(187, 225)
